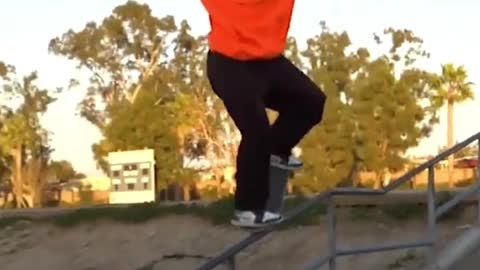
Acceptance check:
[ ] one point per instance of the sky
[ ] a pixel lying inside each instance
(26, 27)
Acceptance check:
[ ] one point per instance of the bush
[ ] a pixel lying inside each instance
(362, 212)
(86, 197)
(465, 183)
(404, 211)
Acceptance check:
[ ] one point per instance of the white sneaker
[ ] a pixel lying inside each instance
(291, 164)
(250, 219)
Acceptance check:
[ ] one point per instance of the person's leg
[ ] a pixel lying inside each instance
(300, 103)
(241, 93)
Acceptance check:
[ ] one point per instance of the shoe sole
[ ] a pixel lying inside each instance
(286, 167)
(256, 225)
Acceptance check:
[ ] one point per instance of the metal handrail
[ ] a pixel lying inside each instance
(228, 255)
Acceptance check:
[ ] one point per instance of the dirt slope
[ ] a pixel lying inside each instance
(183, 242)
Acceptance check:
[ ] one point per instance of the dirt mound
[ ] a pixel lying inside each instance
(184, 242)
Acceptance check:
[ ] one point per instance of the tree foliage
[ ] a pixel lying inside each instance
(377, 107)
(453, 85)
(469, 151)
(63, 170)
(23, 141)
(129, 97)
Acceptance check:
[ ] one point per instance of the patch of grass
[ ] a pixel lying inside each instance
(362, 213)
(217, 213)
(220, 212)
(404, 211)
(130, 214)
(9, 221)
(137, 213)
(308, 217)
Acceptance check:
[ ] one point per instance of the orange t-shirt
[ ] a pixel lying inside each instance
(249, 29)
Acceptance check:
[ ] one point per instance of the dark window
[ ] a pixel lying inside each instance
(145, 185)
(116, 173)
(145, 172)
(115, 187)
(131, 167)
(130, 186)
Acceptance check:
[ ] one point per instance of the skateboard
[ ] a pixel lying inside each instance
(278, 185)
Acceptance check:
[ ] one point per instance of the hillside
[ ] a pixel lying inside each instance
(180, 240)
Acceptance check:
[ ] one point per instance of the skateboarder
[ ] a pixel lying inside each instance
(247, 70)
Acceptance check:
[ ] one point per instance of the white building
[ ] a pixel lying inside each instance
(132, 175)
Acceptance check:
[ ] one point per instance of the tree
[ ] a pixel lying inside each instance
(4, 169)
(328, 150)
(63, 170)
(205, 123)
(469, 151)
(393, 104)
(22, 139)
(453, 88)
(126, 52)
(377, 107)
(127, 58)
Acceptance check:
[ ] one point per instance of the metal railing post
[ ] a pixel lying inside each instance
(432, 235)
(231, 263)
(332, 232)
(478, 180)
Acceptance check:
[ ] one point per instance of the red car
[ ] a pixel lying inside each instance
(466, 162)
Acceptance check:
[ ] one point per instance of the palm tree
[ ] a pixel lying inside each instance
(453, 89)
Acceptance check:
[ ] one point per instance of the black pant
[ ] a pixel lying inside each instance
(247, 88)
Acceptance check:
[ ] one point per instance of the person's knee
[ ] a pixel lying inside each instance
(317, 107)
